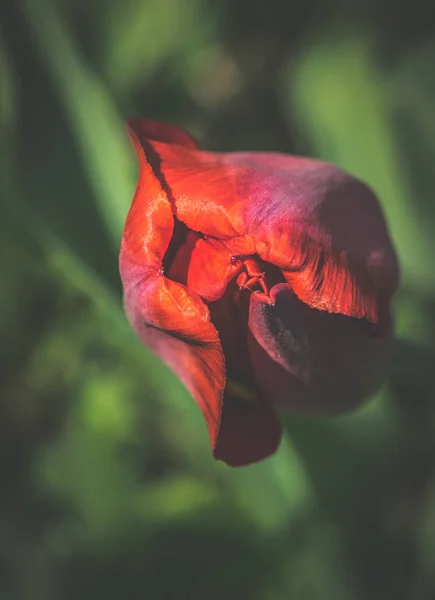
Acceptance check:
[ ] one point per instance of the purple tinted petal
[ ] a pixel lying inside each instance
(310, 361)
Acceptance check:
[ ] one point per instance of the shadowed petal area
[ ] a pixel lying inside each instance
(311, 361)
(243, 428)
(250, 430)
(147, 129)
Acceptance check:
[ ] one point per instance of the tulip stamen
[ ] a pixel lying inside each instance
(254, 277)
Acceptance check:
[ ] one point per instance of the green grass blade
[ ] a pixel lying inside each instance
(94, 120)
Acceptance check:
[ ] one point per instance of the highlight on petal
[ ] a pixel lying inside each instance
(211, 268)
(150, 222)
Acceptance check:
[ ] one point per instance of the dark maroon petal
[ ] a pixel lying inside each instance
(250, 430)
(147, 130)
(325, 230)
(311, 361)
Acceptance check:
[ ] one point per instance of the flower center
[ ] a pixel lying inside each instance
(253, 275)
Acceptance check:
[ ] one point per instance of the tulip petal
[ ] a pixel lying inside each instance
(161, 132)
(175, 323)
(176, 326)
(199, 366)
(211, 268)
(321, 226)
(326, 232)
(308, 360)
(243, 428)
(250, 430)
(167, 317)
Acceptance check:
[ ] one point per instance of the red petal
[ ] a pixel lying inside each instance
(176, 326)
(175, 323)
(321, 226)
(179, 266)
(211, 269)
(185, 173)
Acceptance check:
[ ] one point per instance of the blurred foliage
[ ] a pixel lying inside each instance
(108, 489)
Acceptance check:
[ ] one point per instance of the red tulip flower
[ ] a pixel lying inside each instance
(262, 280)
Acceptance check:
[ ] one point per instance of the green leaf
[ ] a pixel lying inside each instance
(94, 119)
(343, 107)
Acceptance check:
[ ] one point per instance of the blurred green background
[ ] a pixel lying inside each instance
(107, 485)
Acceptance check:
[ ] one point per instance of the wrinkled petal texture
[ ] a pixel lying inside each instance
(195, 218)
